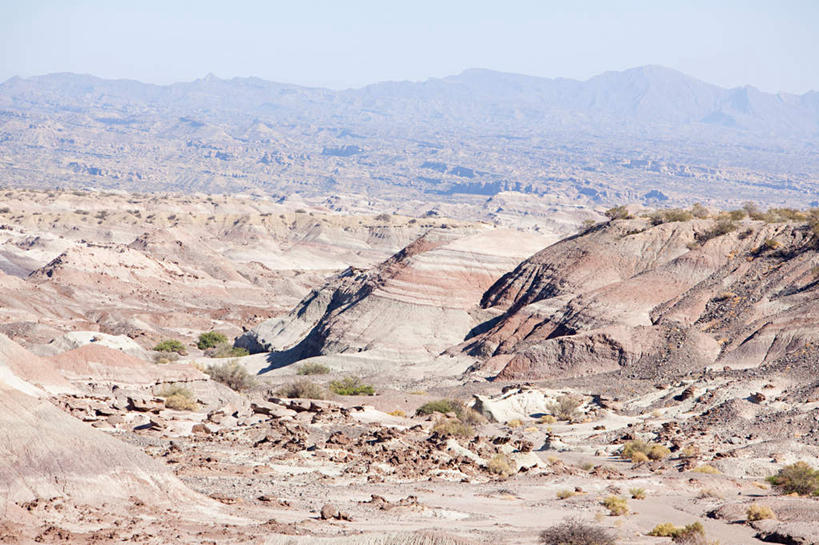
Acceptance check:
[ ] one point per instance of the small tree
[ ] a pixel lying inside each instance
(171, 345)
(799, 478)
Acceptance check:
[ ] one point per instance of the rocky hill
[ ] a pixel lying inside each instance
(647, 300)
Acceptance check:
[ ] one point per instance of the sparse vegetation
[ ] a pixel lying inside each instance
(397, 412)
(757, 511)
(637, 493)
(232, 374)
(565, 407)
(576, 532)
(171, 345)
(722, 227)
(443, 406)
(178, 398)
(313, 368)
(799, 478)
(705, 468)
(501, 464)
(351, 386)
(547, 419)
(670, 215)
(616, 505)
(210, 339)
(452, 427)
(514, 423)
(565, 494)
(651, 451)
(684, 534)
(225, 350)
(618, 213)
(302, 389)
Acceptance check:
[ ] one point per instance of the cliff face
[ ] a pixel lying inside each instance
(649, 300)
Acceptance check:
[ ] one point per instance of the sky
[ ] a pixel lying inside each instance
(772, 45)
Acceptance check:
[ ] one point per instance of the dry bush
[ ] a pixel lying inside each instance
(565, 407)
(710, 493)
(232, 374)
(514, 423)
(616, 505)
(452, 427)
(699, 211)
(313, 368)
(226, 350)
(397, 412)
(178, 398)
(757, 511)
(576, 532)
(302, 389)
(639, 458)
(707, 469)
(501, 464)
(691, 534)
(637, 493)
(722, 227)
(617, 213)
(652, 451)
(465, 414)
(799, 478)
(547, 419)
(670, 215)
(566, 493)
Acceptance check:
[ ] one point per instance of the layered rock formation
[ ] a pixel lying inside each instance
(645, 299)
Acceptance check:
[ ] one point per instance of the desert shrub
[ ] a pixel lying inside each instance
(231, 374)
(210, 339)
(722, 227)
(302, 389)
(383, 217)
(547, 419)
(693, 534)
(351, 386)
(670, 215)
(699, 211)
(565, 407)
(652, 451)
(616, 505)
(442, 406)
(452, 427)
(638, 457)
(397, 412)
(313, 368)
(225, 350)
(799, 478)
(576, 532)
(171, 345)
(514, 423)
(501, 464)
(707, 469)
(565, 493)
(178, 398)
(736, 215)
(166, 357)
(757, 511)
(617, 213)
(637, 493)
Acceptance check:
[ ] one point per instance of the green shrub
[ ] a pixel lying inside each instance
(232, 374)
(799, 478)
(211, 339)
(178, 398)
(670, 215)
(171, 345)
(313, 368)
(302, 389)
(351, 386)
(720, 228)
(616, 505)
(442, 406)
(684, 534)
(575, 532)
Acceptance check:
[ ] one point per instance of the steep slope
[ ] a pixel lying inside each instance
(415, 304)
(647, 300)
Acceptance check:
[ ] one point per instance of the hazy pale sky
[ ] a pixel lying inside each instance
(773, 45)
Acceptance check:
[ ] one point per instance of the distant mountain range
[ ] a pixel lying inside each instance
(646, 98)
(648, 134)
